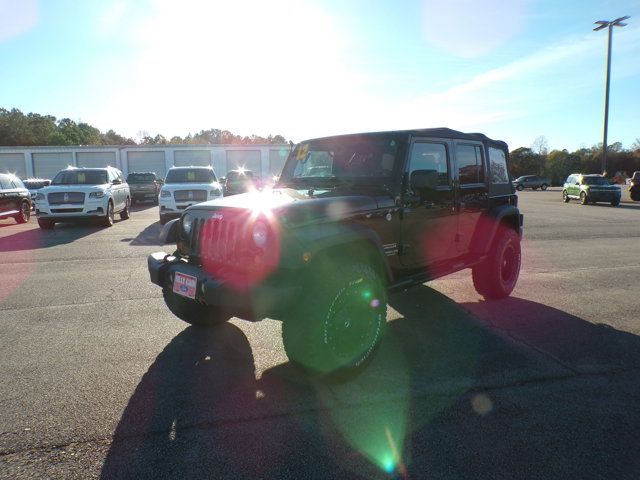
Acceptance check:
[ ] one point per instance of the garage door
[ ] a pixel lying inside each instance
(147, 162)
(46, 165)
(13, 163)
(248, 159)
(185, 158)
(277, 158)
(95, 159)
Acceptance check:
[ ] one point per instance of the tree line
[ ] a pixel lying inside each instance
(33, 129)
(557, 165)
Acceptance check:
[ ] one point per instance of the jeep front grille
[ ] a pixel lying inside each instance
(217, 241)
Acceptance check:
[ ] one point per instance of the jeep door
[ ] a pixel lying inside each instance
(428, 221)
(471, 191)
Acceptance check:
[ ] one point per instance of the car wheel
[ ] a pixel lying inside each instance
(534, 188)
(25, 213)
(340, 322)
(192, 312)
(544, 186)
(126, 213)
(519, 188)
(583, 198)
(565, 196)
(45, 224)
(108, 219)
(496, 277)
(615, 203)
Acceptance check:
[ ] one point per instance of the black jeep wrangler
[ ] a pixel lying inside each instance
(351, 218)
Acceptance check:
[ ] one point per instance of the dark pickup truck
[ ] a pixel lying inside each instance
(351, 218)
(144, 186)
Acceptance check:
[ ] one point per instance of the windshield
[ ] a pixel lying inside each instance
(359, 159)
(201, 175)
(141, 178)
(595, 181)
(80, 177)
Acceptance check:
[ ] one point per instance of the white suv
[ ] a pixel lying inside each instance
(81, 193)
(186, 186)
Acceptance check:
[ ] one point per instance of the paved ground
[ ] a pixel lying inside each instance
(100, 380)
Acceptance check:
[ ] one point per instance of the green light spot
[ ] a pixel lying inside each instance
(389, 465)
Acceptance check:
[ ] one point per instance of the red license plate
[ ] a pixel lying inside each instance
(185, 285)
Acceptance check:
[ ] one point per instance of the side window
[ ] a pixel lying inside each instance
(5, 183)
(498, 164)
(470, 164)
(429, 160)
(17, 183)
(112, 176)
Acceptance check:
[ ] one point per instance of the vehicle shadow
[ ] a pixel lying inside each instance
(149, 236)
(512, 391)
(140, 207)
(36, 238)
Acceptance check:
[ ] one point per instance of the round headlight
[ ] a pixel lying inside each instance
(260, 234)
(187, 221)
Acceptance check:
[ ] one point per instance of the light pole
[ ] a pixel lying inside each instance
(610, 24)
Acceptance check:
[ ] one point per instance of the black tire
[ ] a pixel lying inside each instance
(126, 213)
(565, 196)
(583, 198)
(544, 186)
(192, 312)
(340, 322)
(615, 203)
(497, 276)
(25, 213)
(634, 193)
(46, 224)
(534, 188)
(108, 219)
(519, 187)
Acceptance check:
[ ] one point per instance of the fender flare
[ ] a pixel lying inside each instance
(487, 226)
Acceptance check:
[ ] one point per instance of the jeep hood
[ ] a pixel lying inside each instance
(293, 206)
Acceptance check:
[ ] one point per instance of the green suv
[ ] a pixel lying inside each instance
(590, 189)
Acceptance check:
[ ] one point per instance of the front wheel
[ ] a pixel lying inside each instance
(126, 213)
(45, 224)
(340, 322)
(565, 196)
(25, 213)
(583, 198)
(496, 277)
(108, 219)
(519, 188)
(192, 312)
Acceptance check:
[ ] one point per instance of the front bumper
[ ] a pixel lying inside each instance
(604, 196)
(266, 299)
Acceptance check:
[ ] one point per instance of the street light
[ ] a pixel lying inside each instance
(603, 24)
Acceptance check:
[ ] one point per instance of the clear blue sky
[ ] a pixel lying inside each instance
(513, 69)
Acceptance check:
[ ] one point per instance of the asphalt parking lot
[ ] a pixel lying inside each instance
(99, 380)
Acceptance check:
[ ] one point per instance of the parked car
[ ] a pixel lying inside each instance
(186, 186)
(84, 193)
(321, 251)
(35, 184)
(590, 189)
(144, 186)
(533, 182)
(239, 181)
(15, 199)
(634, 187)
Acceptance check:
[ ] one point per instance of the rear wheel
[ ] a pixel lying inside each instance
(497, 276)
(340, 323)
(193, 312)
(45, 224)
(25, 213)
(583, 198)
(565, 196)
(615, 203)
(544, 186)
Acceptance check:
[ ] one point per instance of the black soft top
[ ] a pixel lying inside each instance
(426, 132)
